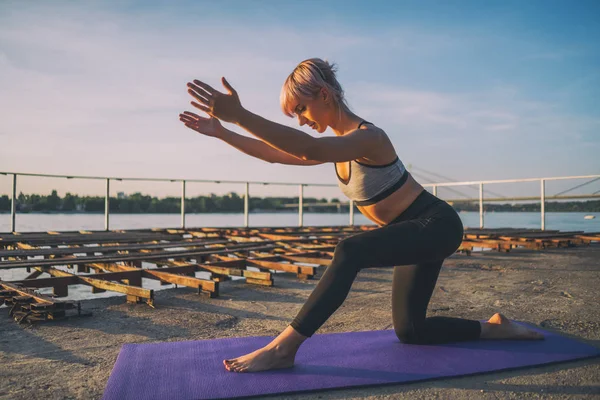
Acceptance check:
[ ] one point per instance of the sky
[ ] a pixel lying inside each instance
(466, 90)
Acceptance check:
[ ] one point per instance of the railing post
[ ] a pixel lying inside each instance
(13, 206)
(543, 202)
(183, 204)
(351, 212)
(107, 205)
(301, 206)
(481, 205)
(247, 205)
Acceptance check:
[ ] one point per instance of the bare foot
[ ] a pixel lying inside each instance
(261, 360)
(500, 327)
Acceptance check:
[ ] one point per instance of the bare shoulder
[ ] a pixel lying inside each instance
(385, 149)
(374, 132)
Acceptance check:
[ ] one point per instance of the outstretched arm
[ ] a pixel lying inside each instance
(253, 147)
(260, 149)
(227, 107)
(357, 144)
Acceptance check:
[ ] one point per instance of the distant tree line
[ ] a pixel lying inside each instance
(232, 202)
(553, 206)
(139, 203)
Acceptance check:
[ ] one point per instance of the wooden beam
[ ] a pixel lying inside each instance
(39, 298)
(132, 257)
(308, 260)
(203, 285)
(102, 285)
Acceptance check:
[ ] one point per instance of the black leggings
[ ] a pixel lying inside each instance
(416, 243)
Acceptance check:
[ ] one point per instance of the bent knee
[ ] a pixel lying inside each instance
(410, 335)
(406, 338)
(349, 249)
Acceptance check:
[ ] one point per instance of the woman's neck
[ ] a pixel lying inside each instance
(345, 123)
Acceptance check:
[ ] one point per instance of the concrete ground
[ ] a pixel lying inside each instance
(555, 289)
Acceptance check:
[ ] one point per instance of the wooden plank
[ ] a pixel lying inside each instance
(206, 285)
(130, 257)
(103, 284)
(260, 282)
(278, 266)
(235, 269)
(308, 260)
(173, 278)
(25, 292)
(107, 249)
(250, 276)
(47, 240)
(589, 237)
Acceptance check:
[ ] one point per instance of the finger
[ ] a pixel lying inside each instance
(200, 106)
(203, 99)
(187, 117)
(199, 90)
(187, 121)
(205, 86)
(192, 115)
(229, 88)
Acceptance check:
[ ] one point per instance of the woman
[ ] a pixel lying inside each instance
(416, 232)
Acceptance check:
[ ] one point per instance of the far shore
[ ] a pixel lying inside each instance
(294, 211)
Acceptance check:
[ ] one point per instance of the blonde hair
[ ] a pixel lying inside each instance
(306, 81)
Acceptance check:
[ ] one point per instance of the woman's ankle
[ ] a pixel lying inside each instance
(288, 341)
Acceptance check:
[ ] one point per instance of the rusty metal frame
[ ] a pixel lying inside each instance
(112, 261)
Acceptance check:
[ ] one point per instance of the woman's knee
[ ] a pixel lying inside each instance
(349, 249)
(405, 336)
(409, 334)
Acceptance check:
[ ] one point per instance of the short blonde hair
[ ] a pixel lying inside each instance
(306, 81)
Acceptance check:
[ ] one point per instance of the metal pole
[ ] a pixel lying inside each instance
(351, 212)
(434, 190)
(107, 204)
(13, 207)
(246, 205)
(481, 205)
(543, 202)
(182, 204)
(301, 206)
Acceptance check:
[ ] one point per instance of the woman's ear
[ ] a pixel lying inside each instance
(325, 95)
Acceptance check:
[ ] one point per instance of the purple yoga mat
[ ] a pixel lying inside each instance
(194, 369)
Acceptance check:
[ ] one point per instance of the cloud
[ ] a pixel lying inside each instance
(99, 89)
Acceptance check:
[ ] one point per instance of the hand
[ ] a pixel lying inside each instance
(226, 107)
(206, 126)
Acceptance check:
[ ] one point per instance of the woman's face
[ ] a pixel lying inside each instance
(315, 113)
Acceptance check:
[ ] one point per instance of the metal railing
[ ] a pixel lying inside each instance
(301, 186)
(542, 191)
